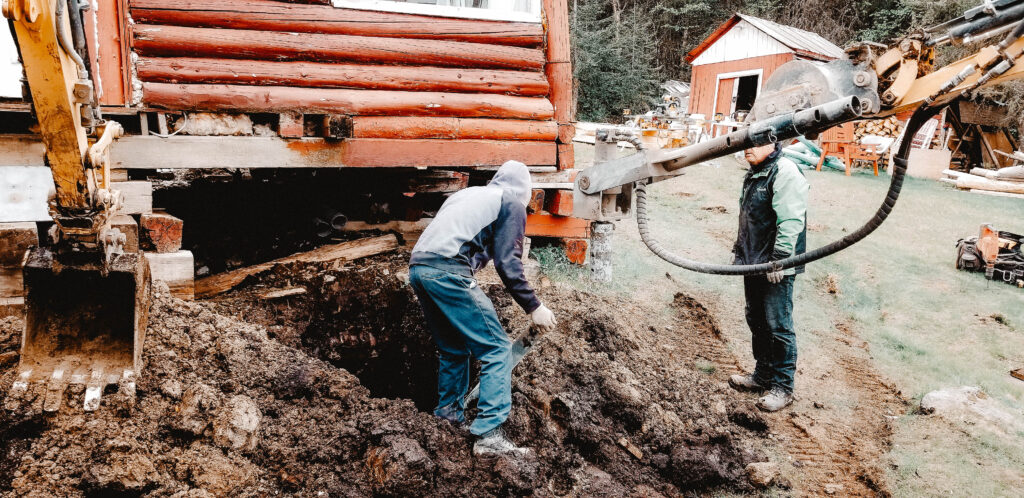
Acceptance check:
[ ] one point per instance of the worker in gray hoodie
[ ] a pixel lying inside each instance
(474, 226)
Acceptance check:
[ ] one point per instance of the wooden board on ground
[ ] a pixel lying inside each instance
(1018, 373)
(345, 251)
(410, 231)
(177, 269)
(280, 293)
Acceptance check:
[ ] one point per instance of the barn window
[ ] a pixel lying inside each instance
(496, 10)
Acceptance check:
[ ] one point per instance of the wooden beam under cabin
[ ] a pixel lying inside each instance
(240, 98)
(327, 75)
(273, 16)
(180, 41)
(184, 152)
(452, 128)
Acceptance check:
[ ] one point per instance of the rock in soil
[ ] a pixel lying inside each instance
(762, 474)
(224, 408)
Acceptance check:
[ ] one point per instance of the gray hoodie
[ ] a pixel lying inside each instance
(478, 224)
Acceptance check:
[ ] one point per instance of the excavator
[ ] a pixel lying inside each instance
(87, 299)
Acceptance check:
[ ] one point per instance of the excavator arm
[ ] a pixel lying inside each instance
(86, 300)
(803, 98)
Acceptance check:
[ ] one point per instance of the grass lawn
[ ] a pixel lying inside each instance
(927, 326)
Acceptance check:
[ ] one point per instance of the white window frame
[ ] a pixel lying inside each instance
(490, 14)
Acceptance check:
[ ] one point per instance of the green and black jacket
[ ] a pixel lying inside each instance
(773, 213)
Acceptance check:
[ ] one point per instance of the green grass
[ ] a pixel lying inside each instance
(927, 325)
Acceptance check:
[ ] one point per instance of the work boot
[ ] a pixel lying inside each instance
(494, 443)
(776, 399)
(746, 382)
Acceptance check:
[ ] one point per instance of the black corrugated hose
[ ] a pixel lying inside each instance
(920, 116)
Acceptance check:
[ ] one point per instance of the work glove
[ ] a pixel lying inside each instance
(775, 276)
(543, 318)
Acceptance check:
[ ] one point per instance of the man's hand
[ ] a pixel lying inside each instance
(775, 276)
(543, 318)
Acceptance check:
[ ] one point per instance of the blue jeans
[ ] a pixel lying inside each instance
(770, 317)
(463, 323)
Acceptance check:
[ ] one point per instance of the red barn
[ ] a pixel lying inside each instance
(731, 65)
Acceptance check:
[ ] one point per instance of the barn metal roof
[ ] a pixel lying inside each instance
(800, 41)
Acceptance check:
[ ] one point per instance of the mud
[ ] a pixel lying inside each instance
(328, 394)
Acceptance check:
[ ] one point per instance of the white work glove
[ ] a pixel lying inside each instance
(775, 276)
(543, 318)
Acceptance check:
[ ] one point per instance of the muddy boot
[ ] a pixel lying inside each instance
(775, 400)
(452, 414)
(494, 443)
(745, 383)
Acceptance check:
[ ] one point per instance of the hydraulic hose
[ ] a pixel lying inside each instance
(920, 116)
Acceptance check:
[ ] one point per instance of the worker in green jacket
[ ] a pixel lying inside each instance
(773, 226)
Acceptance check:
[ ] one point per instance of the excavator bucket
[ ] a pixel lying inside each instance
(84, 326)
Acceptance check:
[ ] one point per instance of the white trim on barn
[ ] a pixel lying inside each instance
(737, 74)
(743, 41)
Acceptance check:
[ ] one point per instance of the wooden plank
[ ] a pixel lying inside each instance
(345, 251)
(279, 293)
(453, 128)
(997, 194)
(556, 179)
(273, 16)
(410, 231)
(11, 283)
(559, 203)
(545, 225)
(566, 156)
(160, 232)
(176, 269)
(437, 181)
(179, 41)
(342, 101)
(536, 203)
(1018, 373)
(137, 152)
(138, 196)
(979, 183)
(12, 306)
(329, 75)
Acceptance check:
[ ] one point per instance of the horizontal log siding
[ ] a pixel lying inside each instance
(453, 128)
(327, 75)
(274, 16)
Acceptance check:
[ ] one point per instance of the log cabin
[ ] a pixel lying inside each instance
(432, 88)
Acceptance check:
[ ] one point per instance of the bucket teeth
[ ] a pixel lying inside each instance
(18, 390)
(93, 391)
(55, 387)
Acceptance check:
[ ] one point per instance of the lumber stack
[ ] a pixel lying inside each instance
(889, 127)
(394, 76)
(1006, 182)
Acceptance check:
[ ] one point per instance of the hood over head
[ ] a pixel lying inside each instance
(513, 176)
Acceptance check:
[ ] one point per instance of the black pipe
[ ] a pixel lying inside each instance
(78, 33)
(988, 23)
(920, 116)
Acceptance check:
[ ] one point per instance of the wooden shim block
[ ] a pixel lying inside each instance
(138, 195)
(179, 41)
(566, 156)
(332, 75)
(160, 232)
(273, 16)
(452, 128)
(127, 225)
(279, 293)
(576, 250)
(345, 251)
(274, 152)
(342, 101)
(631, 448)
(566, 132)
(545, 225)
(12, 306)
(555, 179)
(437, 181)
(536, 204)
(559, 202)
(15, 240)
(290, 124)
(177, 269)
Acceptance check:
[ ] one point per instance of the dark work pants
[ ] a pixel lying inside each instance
(770, 317)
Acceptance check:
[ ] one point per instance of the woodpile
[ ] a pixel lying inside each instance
(1006, 182)
(890, 127)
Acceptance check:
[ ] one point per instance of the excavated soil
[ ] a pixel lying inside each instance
(328, 394)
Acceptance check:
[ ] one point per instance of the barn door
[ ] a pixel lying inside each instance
(723, 102)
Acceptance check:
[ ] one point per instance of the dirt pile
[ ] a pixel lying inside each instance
(608, 402)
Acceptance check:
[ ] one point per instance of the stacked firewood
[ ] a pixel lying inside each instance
(889, 127)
